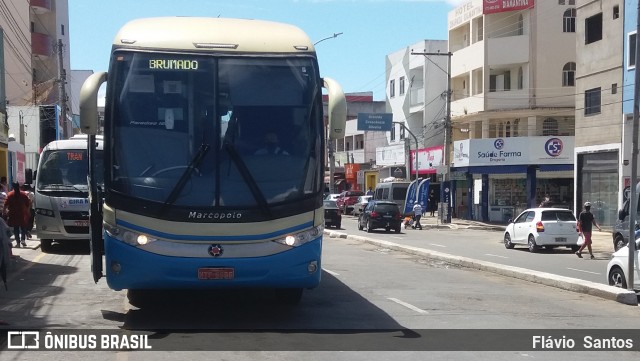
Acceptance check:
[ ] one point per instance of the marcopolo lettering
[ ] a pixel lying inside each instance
(215, 215)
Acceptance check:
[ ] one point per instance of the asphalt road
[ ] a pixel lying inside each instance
(488, 246)
(370, 299)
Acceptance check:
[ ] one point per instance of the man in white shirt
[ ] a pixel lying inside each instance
(417, 214)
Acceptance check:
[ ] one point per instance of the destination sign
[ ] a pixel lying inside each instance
(173, 64)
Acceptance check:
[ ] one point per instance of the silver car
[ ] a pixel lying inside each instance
(543, 227)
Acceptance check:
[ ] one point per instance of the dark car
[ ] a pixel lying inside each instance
(332, 215)
(347, 200)
(380, 214)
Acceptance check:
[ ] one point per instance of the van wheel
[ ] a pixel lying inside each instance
(45, 245)
(618, 242)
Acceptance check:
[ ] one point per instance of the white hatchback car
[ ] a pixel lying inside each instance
(360, 204)
(619, 265)
(538, 227)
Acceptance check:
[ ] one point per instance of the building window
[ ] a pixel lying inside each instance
(614, 88)
(631, 51)
(561, 2)
(616, 12)
(507, 130)
(33, 27)
(480, 28)
(569, 74)
(393, 133)
(520, 79)
(550, 127)
(402, 135)
(62, 28)
(401, 90)
(593, 29)
(520, 25)
(392, 88)
(572, 2)
(516, 126)
(592, 101)
(569, 21)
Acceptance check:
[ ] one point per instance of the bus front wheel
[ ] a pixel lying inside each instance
(289, 296)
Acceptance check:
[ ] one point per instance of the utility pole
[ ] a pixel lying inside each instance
(633, 202)
(445, 189)
(62, 81)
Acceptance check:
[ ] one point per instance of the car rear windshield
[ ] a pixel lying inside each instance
(558, 216)
(384, 208)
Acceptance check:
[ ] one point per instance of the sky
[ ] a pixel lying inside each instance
(371, 29)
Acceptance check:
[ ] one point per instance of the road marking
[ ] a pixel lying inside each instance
(437, 245)
(579, 270)
(494, 255)
(334, 274)
(408, 305)
(396, 237)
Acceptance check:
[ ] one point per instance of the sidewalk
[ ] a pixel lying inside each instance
(602, 241)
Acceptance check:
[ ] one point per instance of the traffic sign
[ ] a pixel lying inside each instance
(377, 122)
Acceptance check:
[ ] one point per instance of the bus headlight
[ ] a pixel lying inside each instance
(300, 238)
(128, 237)
(44, 212)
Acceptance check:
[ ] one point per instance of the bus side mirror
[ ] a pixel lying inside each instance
(28, 176)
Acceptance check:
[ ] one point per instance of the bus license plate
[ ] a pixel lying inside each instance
(82, 223)
(215, 273)
(561, 239)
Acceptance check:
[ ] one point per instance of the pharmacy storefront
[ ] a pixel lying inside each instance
(507, 175)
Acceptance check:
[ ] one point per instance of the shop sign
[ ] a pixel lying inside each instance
(501, 6)
(465, 12)
(428, 160)
(515, 151)
(390, 155)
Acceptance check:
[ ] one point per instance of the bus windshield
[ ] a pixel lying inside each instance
(206, 131)
(66, 169)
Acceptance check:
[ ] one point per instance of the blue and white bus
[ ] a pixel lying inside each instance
(194, 198)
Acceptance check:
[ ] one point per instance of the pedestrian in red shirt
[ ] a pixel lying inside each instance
(17, 209)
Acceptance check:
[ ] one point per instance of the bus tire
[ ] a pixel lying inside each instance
(45, 245)
(288, 296)
(140, 298)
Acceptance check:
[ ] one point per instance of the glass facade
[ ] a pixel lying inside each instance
(598, 180)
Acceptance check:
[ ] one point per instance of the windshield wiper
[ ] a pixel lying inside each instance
(194, 164)
(246, 175)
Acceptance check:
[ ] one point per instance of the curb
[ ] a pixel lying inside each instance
(566, 283)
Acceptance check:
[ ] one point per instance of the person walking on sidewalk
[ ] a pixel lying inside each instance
(586, 221)
(17, 207)
(417, 214)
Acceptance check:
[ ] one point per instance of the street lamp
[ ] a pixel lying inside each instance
(447, 129)
(335, 35)
(417, 147)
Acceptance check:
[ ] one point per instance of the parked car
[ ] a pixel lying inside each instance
(332, 197)
(618, 266)
(548, 227)
(347, 200)
(380, 214)
(332, 215)
(360, 204)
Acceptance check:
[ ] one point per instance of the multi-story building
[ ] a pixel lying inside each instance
(513, 91)
(599, 109)
(36, 58)
(416, 98)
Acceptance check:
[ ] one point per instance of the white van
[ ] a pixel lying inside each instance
(392, 191)
(61, 191)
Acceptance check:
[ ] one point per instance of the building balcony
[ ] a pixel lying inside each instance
(40, 6)
(508, 50)
(41, 44)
